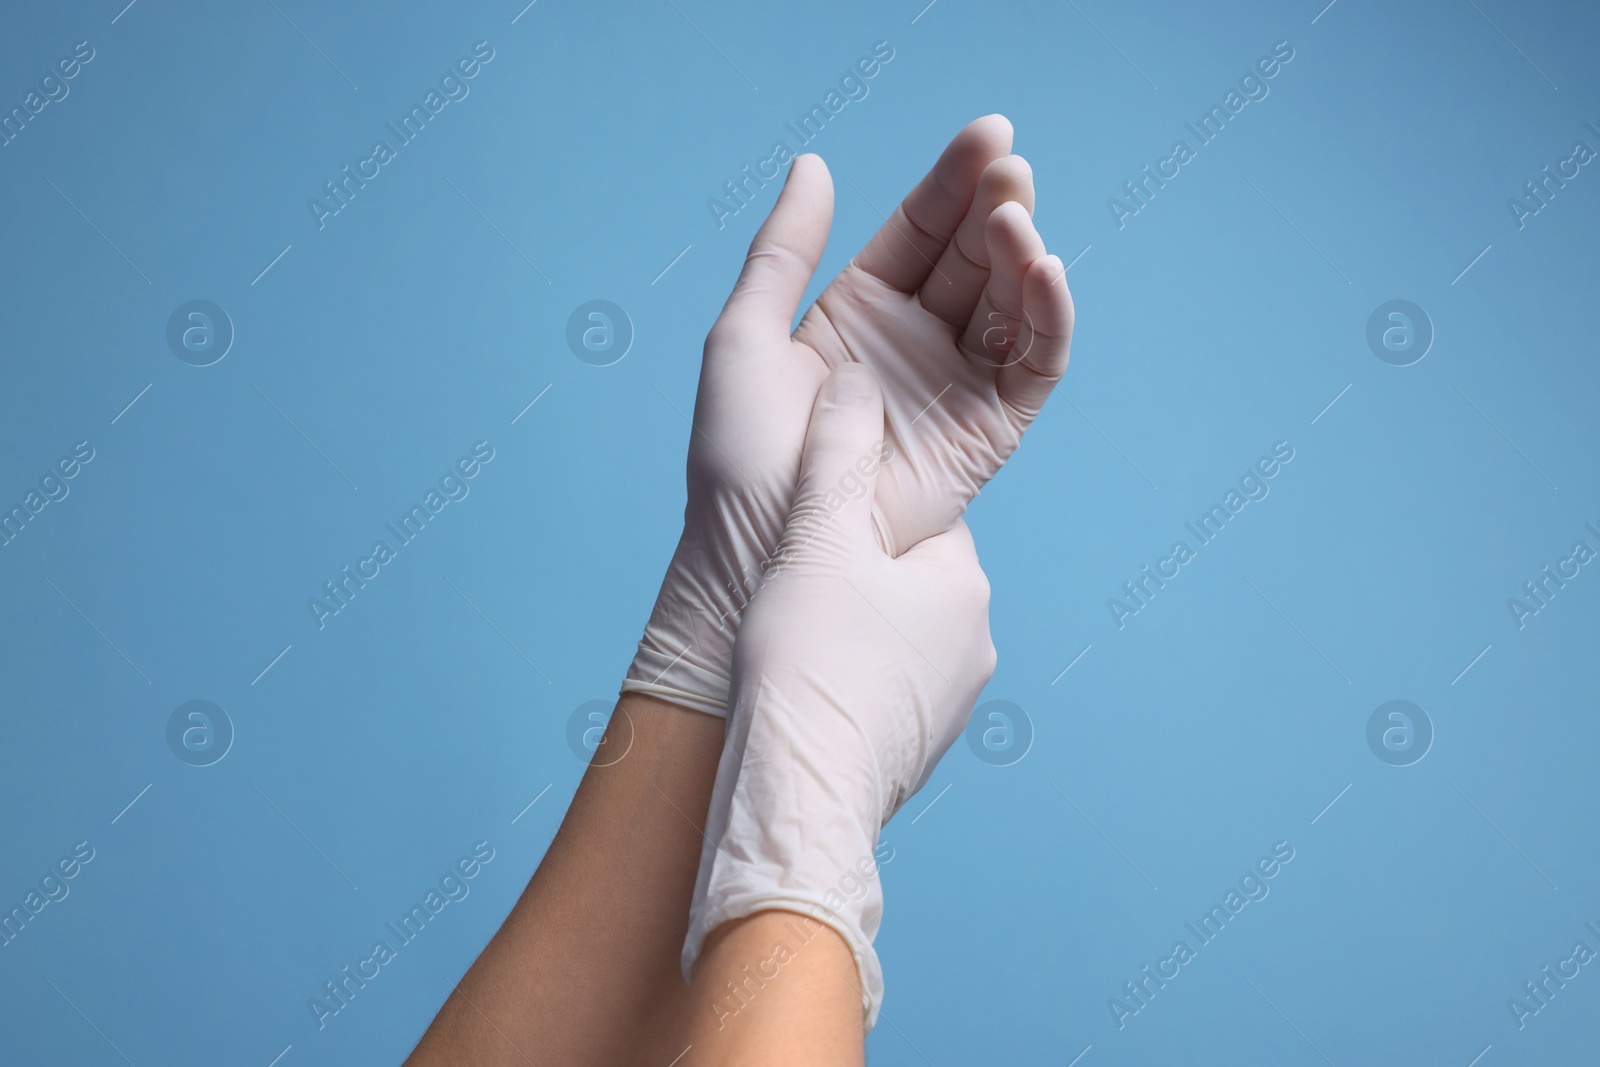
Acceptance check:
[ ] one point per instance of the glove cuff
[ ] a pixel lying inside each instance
(686, 652)
(811, 911)
(685, 684)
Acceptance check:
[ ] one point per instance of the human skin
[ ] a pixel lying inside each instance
(586, 968)
(854, 672)
(807, 1014)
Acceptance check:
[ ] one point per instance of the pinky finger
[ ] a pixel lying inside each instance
(1043, 338)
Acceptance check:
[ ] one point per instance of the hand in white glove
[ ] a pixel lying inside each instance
(953, 305)
(853, 674)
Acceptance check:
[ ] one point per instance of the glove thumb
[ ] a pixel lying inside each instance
(784, 253)
(844, 449)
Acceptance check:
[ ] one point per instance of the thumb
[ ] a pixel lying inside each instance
(785, 251)
(839, 468)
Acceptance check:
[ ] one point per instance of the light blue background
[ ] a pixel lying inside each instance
(1190, 741)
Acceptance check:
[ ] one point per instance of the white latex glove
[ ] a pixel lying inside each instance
(853, 674)
(960, 314)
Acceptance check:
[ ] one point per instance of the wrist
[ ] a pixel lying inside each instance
(796, 834)
(778, 989)
(685, 653)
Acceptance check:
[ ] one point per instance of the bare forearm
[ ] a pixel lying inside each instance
(586, 968)
(775, 988)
